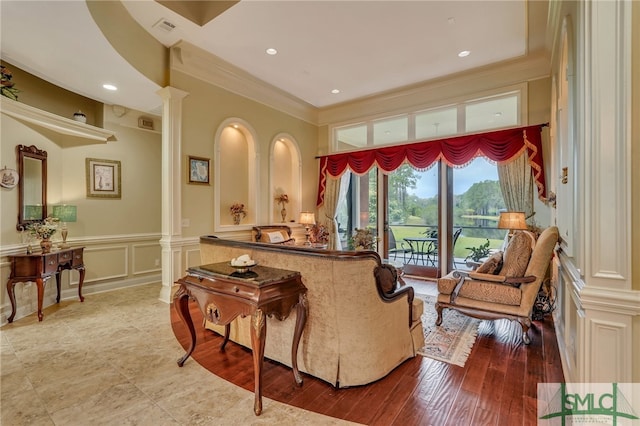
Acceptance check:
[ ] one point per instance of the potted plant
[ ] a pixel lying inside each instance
(478, 252)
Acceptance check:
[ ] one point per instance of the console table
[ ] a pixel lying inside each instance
(38, 268)
(222, 294)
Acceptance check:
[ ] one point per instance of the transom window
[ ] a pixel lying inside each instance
(469, 116)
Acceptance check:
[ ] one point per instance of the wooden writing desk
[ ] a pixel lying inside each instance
(38, 268)
(222, 294)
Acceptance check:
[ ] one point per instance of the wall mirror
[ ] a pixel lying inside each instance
(32, 185)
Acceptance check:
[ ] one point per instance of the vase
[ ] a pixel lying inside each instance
(45, 244)
(236, 219)
(283, 213)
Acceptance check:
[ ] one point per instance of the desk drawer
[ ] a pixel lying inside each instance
(77, 257)
(65, 256)
(50, 263)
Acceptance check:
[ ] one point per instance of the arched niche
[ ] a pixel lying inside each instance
(236, 174)
(285, 177)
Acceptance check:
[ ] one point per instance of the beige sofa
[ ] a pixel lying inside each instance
(355, 332)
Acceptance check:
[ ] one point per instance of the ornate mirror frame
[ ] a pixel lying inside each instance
(27, 182)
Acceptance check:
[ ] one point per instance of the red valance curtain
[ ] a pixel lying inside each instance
(499, 146)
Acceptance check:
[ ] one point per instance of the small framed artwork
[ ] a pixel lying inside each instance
(199, 170)
(103, 178)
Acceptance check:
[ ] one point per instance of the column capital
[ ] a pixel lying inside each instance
(169, 92)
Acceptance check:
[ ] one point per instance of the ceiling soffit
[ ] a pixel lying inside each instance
(199, 12)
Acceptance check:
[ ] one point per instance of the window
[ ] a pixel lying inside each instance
(414, 202)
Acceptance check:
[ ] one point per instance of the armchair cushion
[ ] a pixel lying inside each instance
(491, 292)
(492, 265)
(517, 255)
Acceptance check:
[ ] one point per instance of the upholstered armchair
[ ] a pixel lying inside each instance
(505, 286)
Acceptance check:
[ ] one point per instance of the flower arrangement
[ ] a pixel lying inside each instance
(363, 239)
(319, 234)
(6, 85)
(282, 199)
(238, 209)
(45, 229)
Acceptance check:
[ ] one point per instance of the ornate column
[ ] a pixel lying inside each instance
(171, 188)
(607, 299)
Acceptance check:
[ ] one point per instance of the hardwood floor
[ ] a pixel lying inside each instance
(497, 386)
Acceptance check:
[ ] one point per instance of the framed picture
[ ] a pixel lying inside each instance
(103, 178)
(199, 170)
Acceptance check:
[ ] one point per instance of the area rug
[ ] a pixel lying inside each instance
(450, 342)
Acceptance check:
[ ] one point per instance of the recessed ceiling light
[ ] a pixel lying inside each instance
(235, 126)
(335, 91)
(109, 87)
(498, 114)
(464, 53)
(271, 51)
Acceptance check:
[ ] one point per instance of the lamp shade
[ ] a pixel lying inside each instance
(65, 213)
(307, 218)
(512, 220)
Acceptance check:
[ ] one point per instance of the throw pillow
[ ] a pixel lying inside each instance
(492, 265)
(516, 256)
(387, 278)
(275, 237)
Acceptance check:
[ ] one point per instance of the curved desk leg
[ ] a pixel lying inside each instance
(258, 334)
(12, 297)
(227, 329)
(301, 320)
(81, 271)
(40, 284)
(181, 303)
(58, 279)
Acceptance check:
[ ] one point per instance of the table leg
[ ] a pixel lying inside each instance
(301, 320)
(58, 279)
(81, 271)
(258, 335)
(40, 285)
(181, 304)
(227, 330)
(12, 297)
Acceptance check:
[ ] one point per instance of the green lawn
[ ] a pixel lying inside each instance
(460, 250)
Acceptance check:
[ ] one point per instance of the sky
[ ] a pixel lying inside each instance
(479, 170)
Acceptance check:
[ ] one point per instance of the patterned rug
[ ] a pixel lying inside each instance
(450, 342)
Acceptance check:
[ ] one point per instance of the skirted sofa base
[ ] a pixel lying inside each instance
(355, 332)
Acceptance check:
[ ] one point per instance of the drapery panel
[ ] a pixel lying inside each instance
(500, 146)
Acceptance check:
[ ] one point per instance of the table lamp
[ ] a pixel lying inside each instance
(512, 221)
(65, 213)
(307, 219)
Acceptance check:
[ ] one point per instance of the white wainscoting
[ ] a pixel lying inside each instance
(111, 262)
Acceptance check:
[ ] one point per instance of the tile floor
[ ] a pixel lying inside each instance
(112, 361)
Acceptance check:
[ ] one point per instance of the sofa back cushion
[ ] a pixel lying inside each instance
(517, 255)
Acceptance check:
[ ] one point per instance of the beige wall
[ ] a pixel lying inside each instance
(121, 236)
(204, 110)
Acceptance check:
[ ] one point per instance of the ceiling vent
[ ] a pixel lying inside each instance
(164, 25)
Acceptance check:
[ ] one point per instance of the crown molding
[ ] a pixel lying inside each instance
(534, 66)
(198, 63)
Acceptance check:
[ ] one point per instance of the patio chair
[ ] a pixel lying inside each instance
(393, 247)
